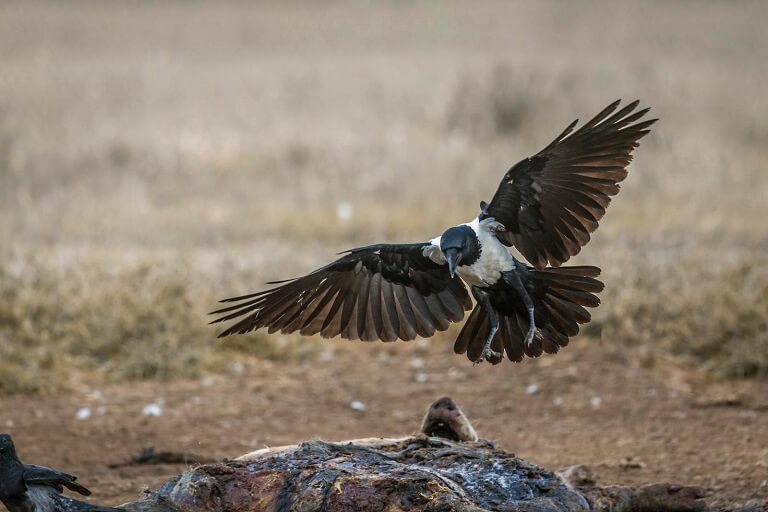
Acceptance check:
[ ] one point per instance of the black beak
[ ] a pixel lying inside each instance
(453, 257)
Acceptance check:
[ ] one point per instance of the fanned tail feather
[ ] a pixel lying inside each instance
(560, 297)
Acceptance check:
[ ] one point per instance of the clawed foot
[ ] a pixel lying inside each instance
(528, 341)
(489, 355)
(529, 337)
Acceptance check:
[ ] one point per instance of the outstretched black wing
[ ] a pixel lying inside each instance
(381, 292)
(551, 202)
(41, 475)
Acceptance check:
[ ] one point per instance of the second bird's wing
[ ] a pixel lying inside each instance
(551, 202)
(381, 292)
(41, 475)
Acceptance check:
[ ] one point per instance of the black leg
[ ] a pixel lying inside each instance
(512, 278)
(482, 298)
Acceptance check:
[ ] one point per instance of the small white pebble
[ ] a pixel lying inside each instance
(596, 401)
(357, 405)
(422, 344)
(532, 389)
(344, 211)
(238, 367)
(327, 355)
(558, 400)
(764, 483)
(153, 409)
(83, 414)
(9, 423)
(421, 377)
(207, 381)
(417, 362)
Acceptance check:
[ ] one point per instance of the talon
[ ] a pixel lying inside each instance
(493, 357)
(489, 355)
(530, 336)
(479, 359)
(531, 327)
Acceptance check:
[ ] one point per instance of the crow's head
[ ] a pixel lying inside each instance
(10, 468)
(7, 450)
(460, 246)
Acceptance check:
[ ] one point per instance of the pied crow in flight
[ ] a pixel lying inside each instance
(545, 207)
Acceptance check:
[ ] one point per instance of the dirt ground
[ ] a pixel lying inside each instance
(588, 405)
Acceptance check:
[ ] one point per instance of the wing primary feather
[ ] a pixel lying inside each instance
(566, 132)
(362, 307)
(548, 200)
(622, 112)
(407, 318)
(389, 317)
(373, 313)
(378, 292)
(424, 325)
(598, 118)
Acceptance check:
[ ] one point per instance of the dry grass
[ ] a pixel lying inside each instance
(711, 317)
(141, 322)
(228, 142)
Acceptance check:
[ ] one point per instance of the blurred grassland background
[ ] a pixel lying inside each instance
(156, 157)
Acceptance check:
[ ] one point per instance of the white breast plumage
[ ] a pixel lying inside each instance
(494, 257)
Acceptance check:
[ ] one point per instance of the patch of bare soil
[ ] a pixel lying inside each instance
(588, 405)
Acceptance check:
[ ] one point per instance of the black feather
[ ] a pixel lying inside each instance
(379, 292)
(569, 183)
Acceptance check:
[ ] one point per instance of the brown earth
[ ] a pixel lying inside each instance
(592, 405)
